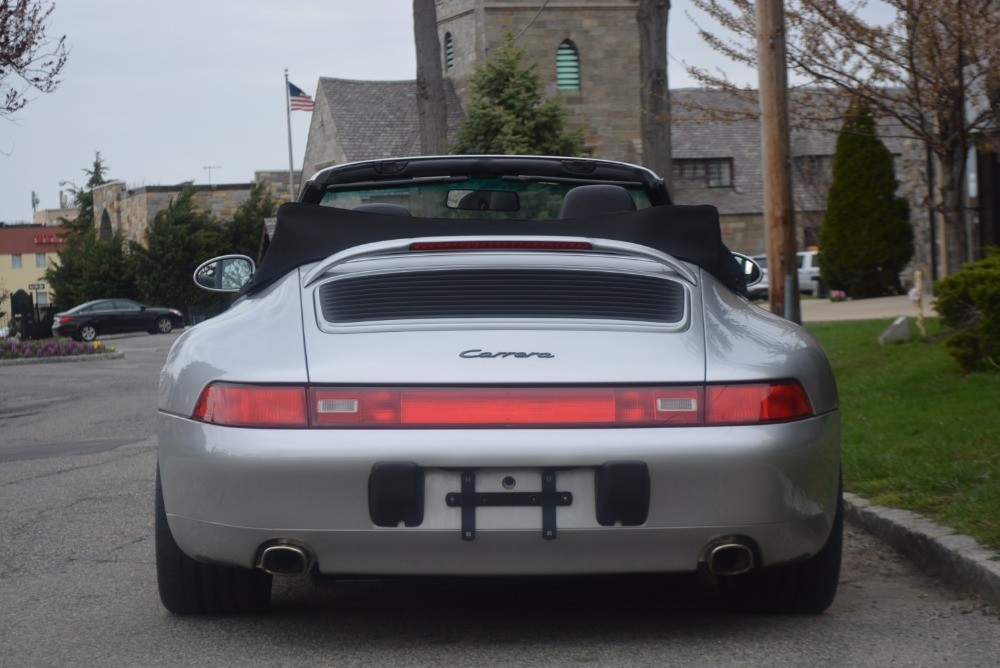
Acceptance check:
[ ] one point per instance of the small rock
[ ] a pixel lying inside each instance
(899, 330)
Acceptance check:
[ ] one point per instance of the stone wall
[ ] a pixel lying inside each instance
(277, 182)
(131, 211)
(461, 19)
(323, 147)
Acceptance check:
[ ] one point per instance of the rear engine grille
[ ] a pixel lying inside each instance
(501, 293)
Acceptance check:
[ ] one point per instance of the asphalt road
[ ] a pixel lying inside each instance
(77, 580)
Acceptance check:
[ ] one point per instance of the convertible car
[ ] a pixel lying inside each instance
(495, 366)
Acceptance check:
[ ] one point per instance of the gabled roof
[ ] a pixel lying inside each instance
(378, 119)
(28, 239)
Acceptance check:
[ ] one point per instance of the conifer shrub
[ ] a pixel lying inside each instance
(969, 303)
(866, 239)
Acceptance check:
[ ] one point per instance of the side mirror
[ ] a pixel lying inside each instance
(751, 269)
(228, 273)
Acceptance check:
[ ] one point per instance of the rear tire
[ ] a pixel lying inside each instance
(189, 587)
(88, 333)
(802, 587)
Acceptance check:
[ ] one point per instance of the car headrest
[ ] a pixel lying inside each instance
(383, 208)
(595, 200)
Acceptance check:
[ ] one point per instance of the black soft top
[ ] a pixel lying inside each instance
(307, 233)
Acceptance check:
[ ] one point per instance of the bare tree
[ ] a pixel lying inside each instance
(432, 110)
(930, 69)
(655, 92)
(28, 60)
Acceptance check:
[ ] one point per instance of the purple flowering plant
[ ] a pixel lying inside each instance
(16, 349)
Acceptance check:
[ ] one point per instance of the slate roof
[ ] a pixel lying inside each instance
(696, 134)
(378, 119)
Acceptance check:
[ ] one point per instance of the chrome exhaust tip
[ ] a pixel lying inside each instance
(730, 559)
(284, 559)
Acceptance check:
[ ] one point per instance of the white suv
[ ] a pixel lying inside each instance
(809, 281)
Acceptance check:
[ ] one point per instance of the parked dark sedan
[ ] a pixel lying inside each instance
(113, 316)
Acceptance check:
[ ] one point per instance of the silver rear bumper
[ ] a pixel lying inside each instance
(228, 492)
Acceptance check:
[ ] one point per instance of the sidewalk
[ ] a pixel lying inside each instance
(819, 310)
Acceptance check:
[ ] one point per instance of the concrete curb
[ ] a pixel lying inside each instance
(958, 560)
(71, 358)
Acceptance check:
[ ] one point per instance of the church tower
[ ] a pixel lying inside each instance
(587, 53)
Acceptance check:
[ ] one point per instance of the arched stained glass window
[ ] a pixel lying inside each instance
(449, 51)
(568, 67)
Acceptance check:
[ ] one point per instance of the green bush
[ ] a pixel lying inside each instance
(969, 303)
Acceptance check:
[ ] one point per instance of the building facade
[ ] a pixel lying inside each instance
(131, 210)
(716, 141)
(26, 251)
(54, 216)
(587, 54)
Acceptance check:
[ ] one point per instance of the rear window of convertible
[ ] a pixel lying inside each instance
(466, 198)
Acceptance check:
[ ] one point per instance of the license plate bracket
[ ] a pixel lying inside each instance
(548, 499)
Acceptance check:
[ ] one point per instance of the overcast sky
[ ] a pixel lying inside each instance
(166, 89)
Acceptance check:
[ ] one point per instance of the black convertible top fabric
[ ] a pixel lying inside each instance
(308, 233)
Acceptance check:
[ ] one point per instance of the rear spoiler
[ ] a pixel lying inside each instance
(506, 244)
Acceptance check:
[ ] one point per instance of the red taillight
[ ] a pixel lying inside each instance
(473, 407)
(500, 245)
(66, 318)
(756, 404)
(252, 406)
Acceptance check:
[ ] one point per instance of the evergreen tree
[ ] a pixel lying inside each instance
(71, 276)
(179, 239)
(866, 238)
(105, 270)
(159, 273)
(243, 232)
(508, 113)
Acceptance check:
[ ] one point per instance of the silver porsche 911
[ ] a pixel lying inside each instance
(489, 366)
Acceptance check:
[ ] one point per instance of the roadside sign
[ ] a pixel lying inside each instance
(36, 286)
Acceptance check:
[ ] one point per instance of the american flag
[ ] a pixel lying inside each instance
(298, 99)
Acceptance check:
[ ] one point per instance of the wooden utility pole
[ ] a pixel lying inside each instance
(779, 214)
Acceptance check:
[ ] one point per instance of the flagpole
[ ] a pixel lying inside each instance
(288, 114)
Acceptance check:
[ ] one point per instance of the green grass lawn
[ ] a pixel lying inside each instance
(917, 433)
